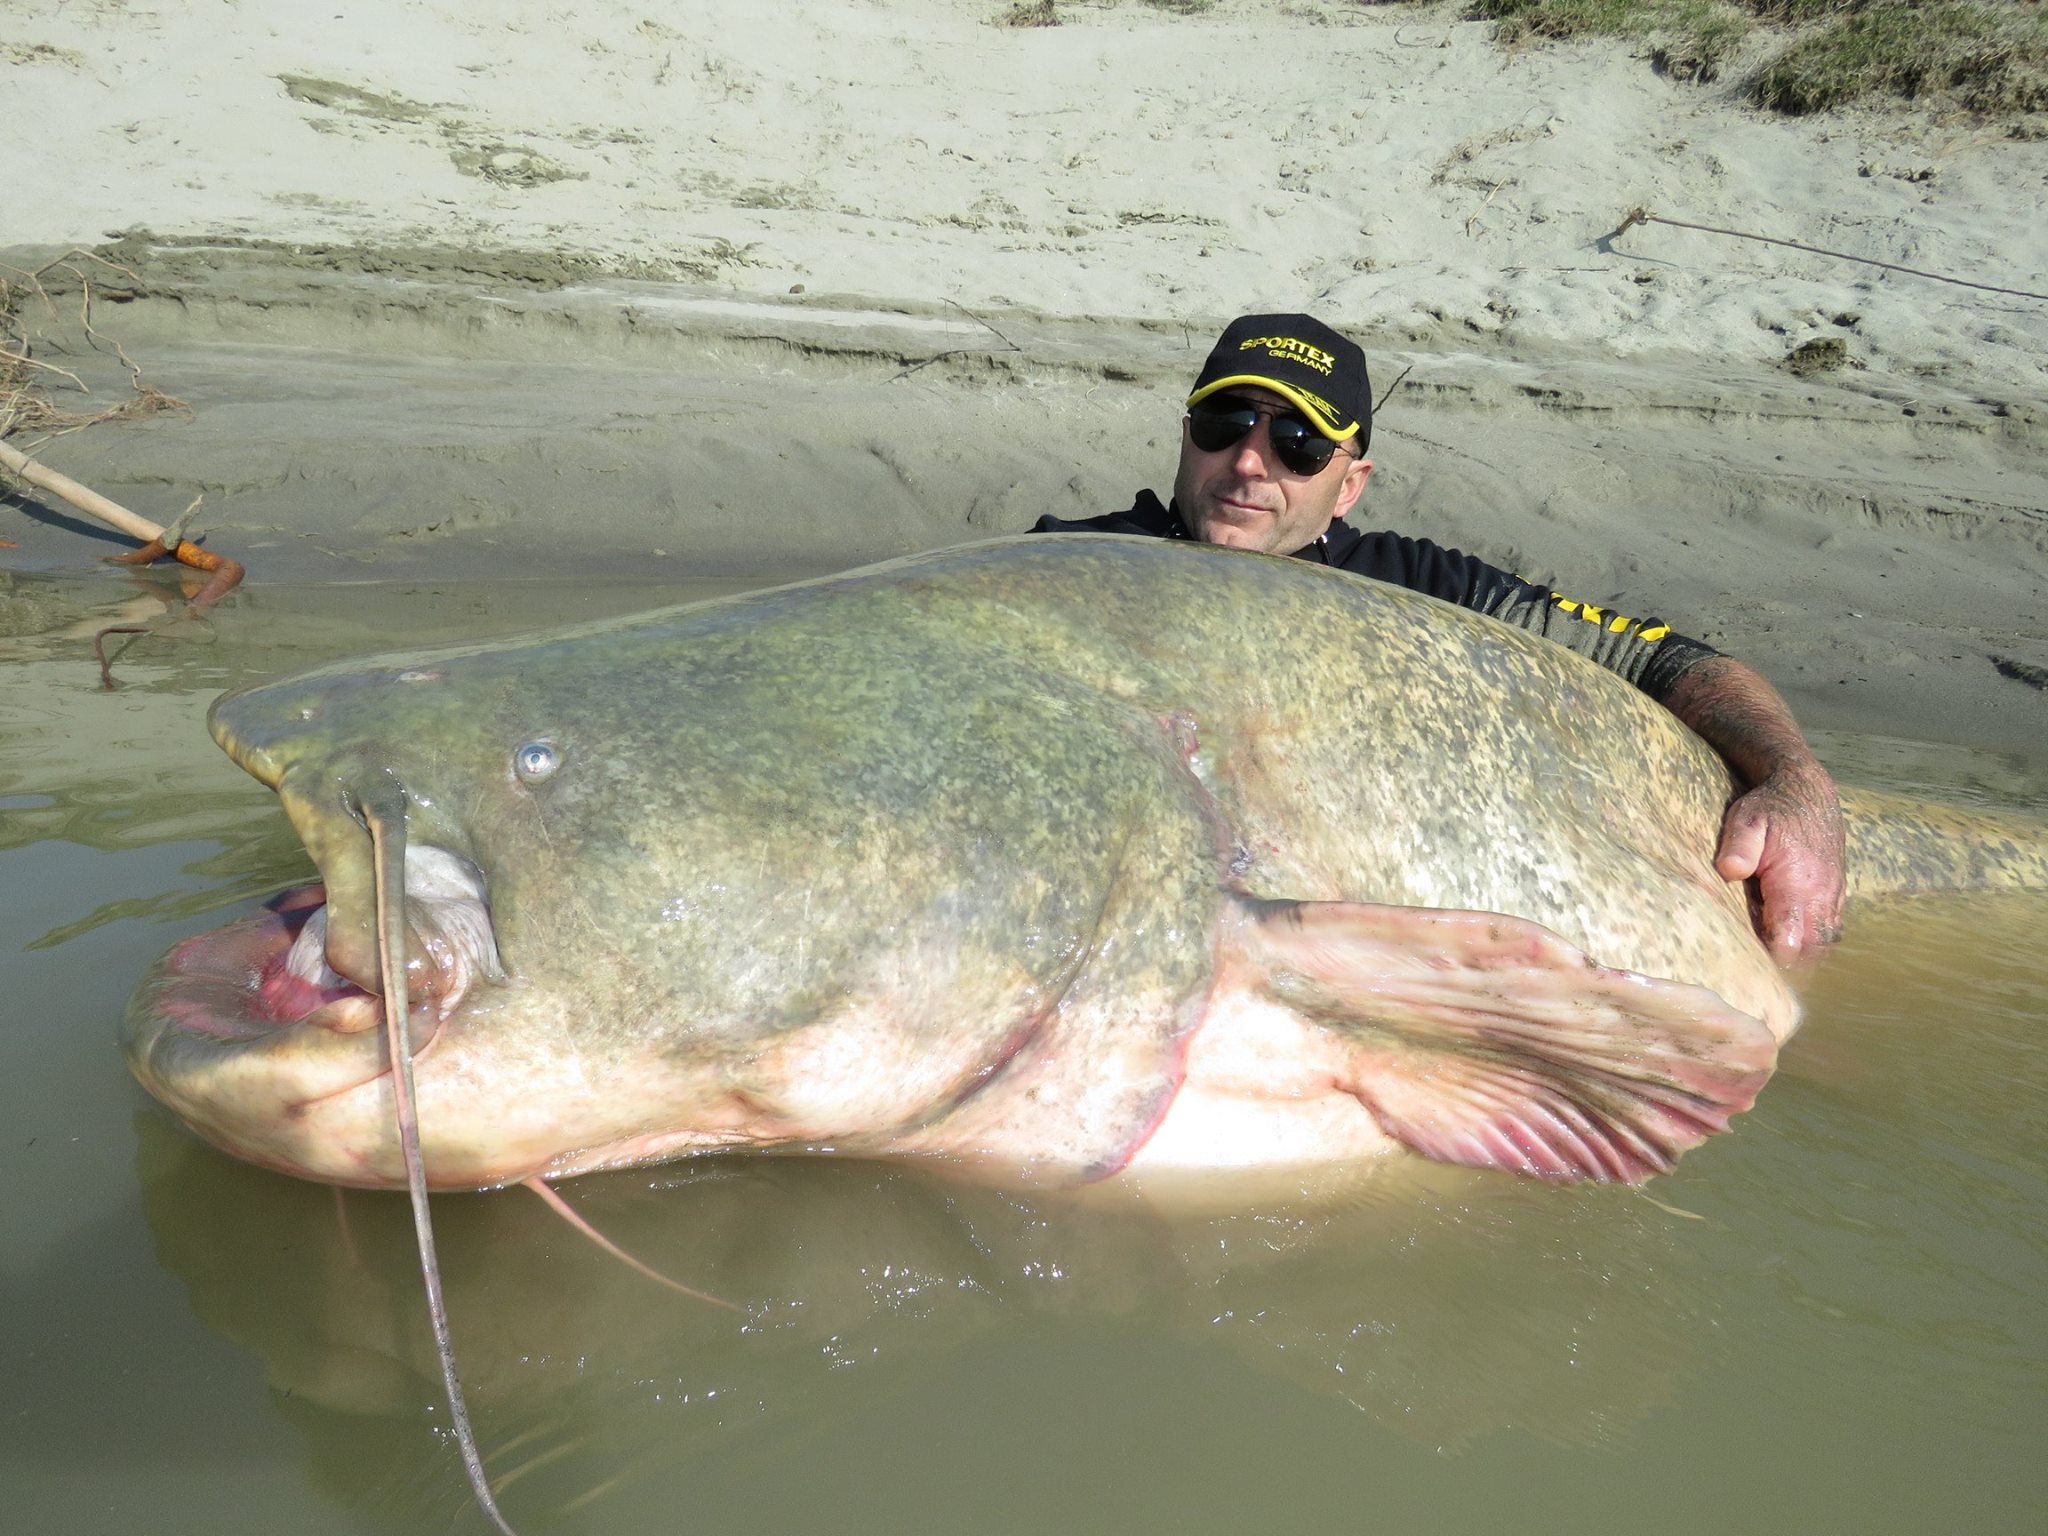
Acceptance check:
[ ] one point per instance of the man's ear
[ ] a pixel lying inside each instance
(1354, 483)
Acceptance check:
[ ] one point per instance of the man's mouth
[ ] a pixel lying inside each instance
(1243, 507)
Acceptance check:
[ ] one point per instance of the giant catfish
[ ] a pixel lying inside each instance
(1055, 857)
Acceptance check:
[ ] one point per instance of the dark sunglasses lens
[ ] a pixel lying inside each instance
(1214, 431)
(1300, 446)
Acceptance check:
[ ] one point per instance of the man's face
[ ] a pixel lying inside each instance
(1242, 496)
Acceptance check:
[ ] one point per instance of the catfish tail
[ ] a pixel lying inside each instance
(1900, 844)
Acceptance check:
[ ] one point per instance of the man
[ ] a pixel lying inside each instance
(1272, 457)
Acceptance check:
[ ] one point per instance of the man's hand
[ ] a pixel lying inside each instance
(1786, 831)
(1787, 835)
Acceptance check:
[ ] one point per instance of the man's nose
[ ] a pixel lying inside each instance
(1254, 451)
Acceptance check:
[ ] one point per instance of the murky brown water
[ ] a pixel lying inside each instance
(1833, 1319)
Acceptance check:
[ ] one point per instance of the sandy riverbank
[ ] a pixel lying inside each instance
(474, 298)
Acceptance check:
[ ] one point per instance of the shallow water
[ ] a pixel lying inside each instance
(1832, 1318)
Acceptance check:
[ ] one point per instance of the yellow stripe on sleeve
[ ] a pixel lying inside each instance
(1615, 623)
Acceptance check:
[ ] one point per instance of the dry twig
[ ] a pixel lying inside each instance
(22, 407)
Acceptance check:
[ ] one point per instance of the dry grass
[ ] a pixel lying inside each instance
(1030, 13)
(1989, 58)
(1983, 56)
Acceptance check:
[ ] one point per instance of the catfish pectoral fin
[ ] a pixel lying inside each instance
(1489, 1041)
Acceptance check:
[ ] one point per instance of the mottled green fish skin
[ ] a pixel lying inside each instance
(985, 806)
(1899, 845)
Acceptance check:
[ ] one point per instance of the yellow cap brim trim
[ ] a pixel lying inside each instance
(1317, 411)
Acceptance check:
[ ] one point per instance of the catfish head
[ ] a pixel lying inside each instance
(543, 896)
(265, 1036)
(655, 900)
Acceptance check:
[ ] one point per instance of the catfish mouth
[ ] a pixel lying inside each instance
(250, 1032)
(278, 968)
(264, 974)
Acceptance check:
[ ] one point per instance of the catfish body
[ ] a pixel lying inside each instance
(1057, 857)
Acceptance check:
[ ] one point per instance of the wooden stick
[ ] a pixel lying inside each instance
(157, 542)
(86, 500)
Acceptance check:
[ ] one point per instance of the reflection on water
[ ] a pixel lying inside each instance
(1831, 1317)
(1429, 1308)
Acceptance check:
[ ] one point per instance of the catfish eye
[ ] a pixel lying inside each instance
(536, 761)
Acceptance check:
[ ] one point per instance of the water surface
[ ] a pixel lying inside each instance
(1833, 1318)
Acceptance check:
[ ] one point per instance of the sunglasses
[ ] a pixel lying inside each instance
(1224, 423)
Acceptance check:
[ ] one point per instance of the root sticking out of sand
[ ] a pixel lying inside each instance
(25, 378)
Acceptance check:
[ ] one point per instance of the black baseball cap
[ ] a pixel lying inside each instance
(1300, 358)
